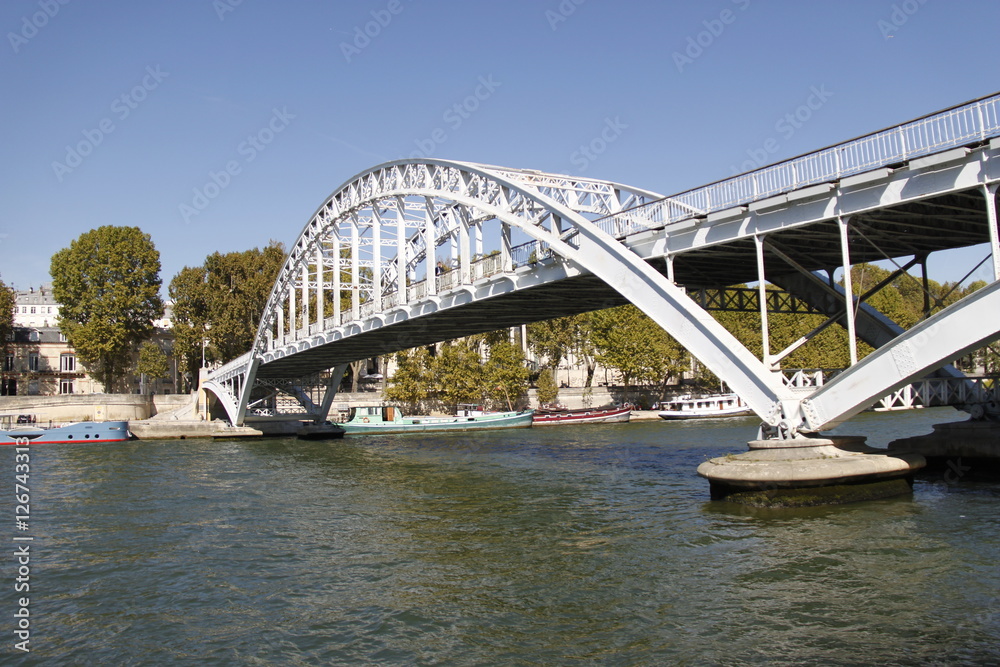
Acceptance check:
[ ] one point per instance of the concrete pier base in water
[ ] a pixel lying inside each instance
(810, 471)
(958, 448)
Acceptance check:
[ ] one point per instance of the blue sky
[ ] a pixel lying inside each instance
(287, 96)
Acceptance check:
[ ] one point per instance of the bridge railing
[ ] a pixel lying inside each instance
(926, 393)
(958, 126)
(943, 391)
(529, 253)
(801, 378)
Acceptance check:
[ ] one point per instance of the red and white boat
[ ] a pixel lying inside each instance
(610, 415)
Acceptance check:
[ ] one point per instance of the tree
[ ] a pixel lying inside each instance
(8, 303)
(458, 373)
(190, 318)
(238, 285)
(551, 339)
(107, 282)
(222, 302)
(152, 361)
(547, 389)
(629, 341)
(505, 375)
(556, 338)
(412, 380)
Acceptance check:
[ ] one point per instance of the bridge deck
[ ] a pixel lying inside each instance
(908, 191)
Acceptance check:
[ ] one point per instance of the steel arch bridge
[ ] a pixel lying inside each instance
(417, 251)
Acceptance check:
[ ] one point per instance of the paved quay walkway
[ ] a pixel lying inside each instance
(644, 415)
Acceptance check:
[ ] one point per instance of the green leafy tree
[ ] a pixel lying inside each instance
(107, 282)
(412, 380)
(222, 302)
(458, 373)
(7, 304)
(547, 389)
(8, 301)
(238, 285)
(629, 341)
(152, 362)
(505, 375)
(552, 339)
(190, 318)
(555, 339)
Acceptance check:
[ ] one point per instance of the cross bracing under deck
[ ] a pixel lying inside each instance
(418, 251)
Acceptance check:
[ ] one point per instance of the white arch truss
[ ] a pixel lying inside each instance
(362, 262)
(415, 241)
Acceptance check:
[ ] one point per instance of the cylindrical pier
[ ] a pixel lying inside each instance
(804, 472)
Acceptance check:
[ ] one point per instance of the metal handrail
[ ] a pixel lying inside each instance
(972, 122)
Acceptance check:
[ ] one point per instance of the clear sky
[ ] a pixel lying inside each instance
(120, 112)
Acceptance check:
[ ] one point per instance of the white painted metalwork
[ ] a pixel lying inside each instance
(950, 334)
(534, 206)
(976, 395)
(415, 238)
(955, 127)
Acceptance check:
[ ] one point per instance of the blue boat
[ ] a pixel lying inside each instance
(389, 419)
(20, 429)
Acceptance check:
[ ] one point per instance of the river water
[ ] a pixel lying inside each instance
(566, 545)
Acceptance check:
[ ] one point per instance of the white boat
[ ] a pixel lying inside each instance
(704, 407)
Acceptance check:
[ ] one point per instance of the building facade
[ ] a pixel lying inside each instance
(39, 361)
(36, 308)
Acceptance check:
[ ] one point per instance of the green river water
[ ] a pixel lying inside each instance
(587, 545)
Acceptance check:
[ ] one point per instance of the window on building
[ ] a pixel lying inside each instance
(33, 336)
(65, 386)
(67, 363)
(32, 310)
(62, 337)
(33, 361)
(8, 362)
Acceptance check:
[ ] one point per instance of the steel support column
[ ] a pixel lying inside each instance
(377, 259)
(401, 296)
(852, 340)
(765, 341)
(506, 259)
(990, 192)
(320, 284)
(332, 384)
(338, 269)
(305, 300)
(430, 250)
(355, 269)
(293, 313)
(464, 260)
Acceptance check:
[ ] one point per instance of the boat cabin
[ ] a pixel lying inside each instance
(375, 414)
(705, 404)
